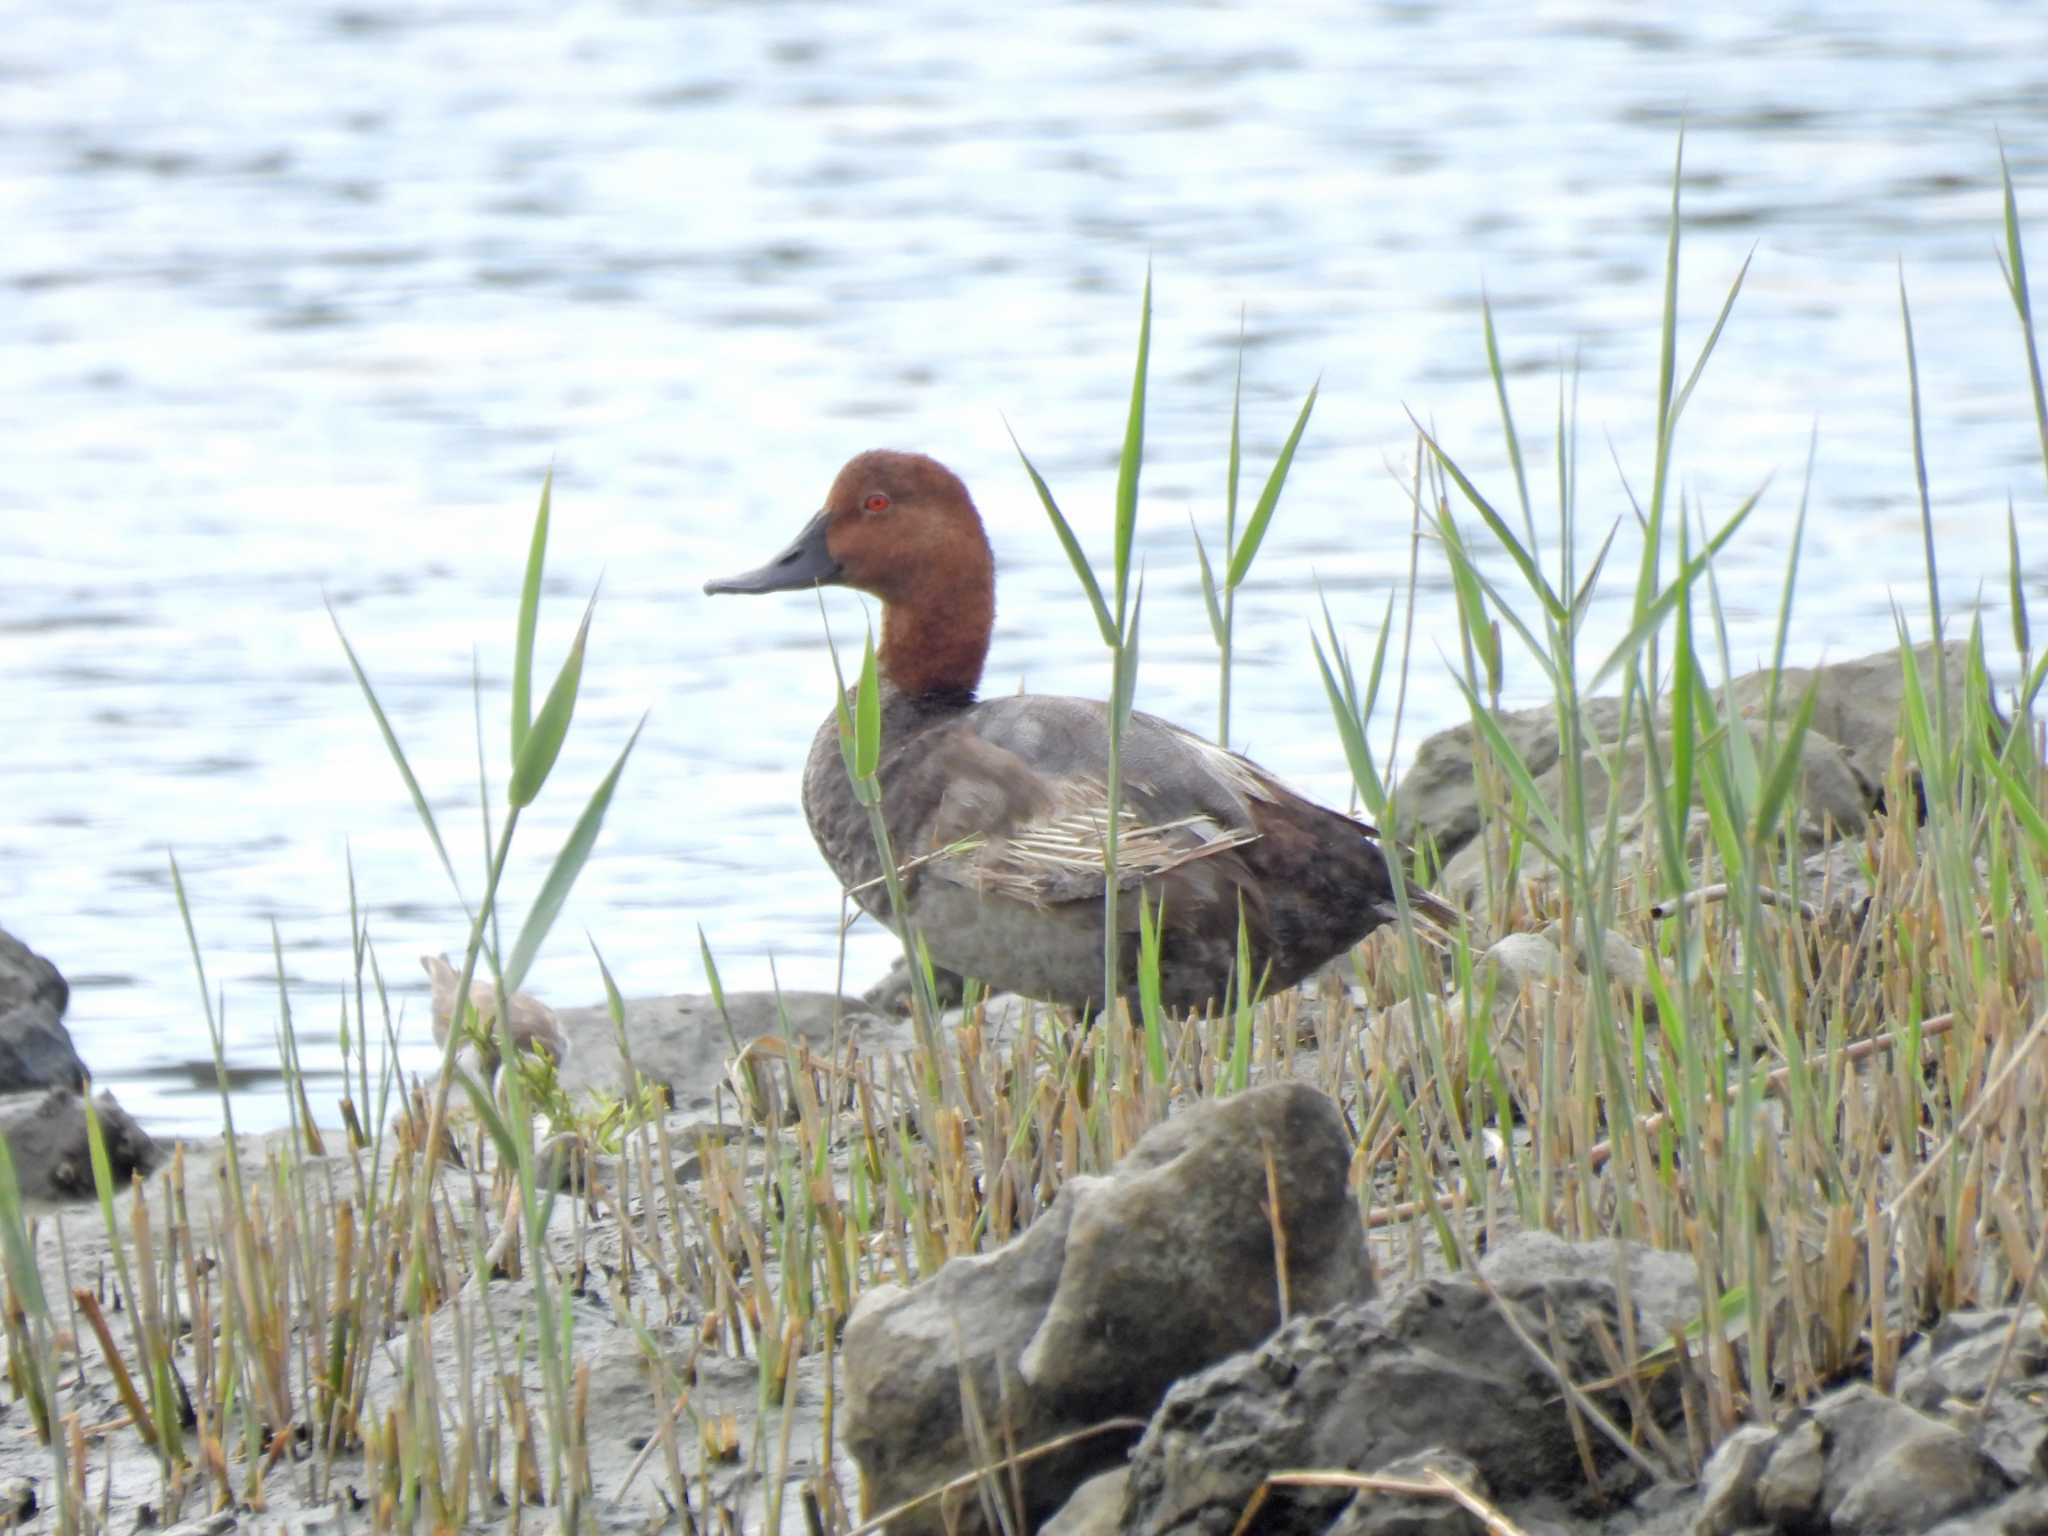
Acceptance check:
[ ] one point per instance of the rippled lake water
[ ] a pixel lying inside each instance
(301, 302)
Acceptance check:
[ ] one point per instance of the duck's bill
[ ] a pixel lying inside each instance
(806, 563)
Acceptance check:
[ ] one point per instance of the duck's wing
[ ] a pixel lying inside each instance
(1013, 801)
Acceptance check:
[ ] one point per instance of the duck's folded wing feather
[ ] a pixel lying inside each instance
(1014, 801)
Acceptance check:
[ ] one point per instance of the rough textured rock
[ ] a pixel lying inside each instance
(684, 1043)
(26, 977)
(1857, 702)
(47, 1138)
(891, 995)
(1853, 734)
(1095, 1509)
(1435, 1367)
(1833, 800)
(35, 1048)
(1857, 1463)
(1128, 1282)
(1948, 1373)
(1439, 795)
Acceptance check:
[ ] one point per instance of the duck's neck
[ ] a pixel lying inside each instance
(935, 636)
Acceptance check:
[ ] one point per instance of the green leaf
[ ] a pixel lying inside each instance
(1653, 614)
(554, 890)
(1149, 1004)
(1784, 775)
(1104, 620)
(1127, 664)
(1357, 750)
(1208, 583)
(1524, 561)
(412, 785)
(543, 742)
(529, 614)
(22, 1273)
(2021, 635)
(1507, 416)
(2016, 278)
(1230, 480)
(867, 720)
(1132, 459)
(1707, 348)
(1262, 513)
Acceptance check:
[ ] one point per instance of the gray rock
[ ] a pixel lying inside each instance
(1358, 1389)
(36, 1051)
(891, 995)
(1196, 1190)
(1854, 731)
(1125, 1284)
(35, 1048)
(52, 1152)
(1663, 1286)
(1949, 1371)
(1857, 703)
(1891, 1469)
(1095, 1509)
(683, 1042)
(1728, 1496)
(2025, 1513)
(26, 977)
(1794, 1477)
(1438, 797)
(1857, 1463)
(1833, 801)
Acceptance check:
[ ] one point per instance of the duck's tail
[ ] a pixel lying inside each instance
(1432, 913)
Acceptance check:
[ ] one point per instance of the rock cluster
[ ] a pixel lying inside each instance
(1127, 1283)
(42, 1111)
(1151, 1293)
(1846, 756)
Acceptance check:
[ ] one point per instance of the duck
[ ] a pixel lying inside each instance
(997, 808)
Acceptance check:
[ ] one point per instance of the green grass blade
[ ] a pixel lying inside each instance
(867, 715)
(1652, 617)
(2016, 279)
(529, 616)
(1707, 349)
(1262, 512)
(1784, 775)
(2021, 631)
(1104, 619)
(22, 1273)
(1667, 374)
(1215, 609)
(561, 877)
(1920, 466)
(543, 742)
(1127, 663)
(1133, 456)
(1357, 750)
(412, 785)
(1507, 415)
(1230, 480)
(1524, 561)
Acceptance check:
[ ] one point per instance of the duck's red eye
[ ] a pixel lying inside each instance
(877, 503)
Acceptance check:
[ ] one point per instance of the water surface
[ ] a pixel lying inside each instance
(302, 301)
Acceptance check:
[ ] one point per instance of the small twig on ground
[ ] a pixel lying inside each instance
(1436, 1485)
(1707, 893)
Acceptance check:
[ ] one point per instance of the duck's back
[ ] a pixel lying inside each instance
(997, 811)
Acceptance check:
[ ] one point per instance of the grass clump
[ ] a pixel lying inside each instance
(1829, 1099)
